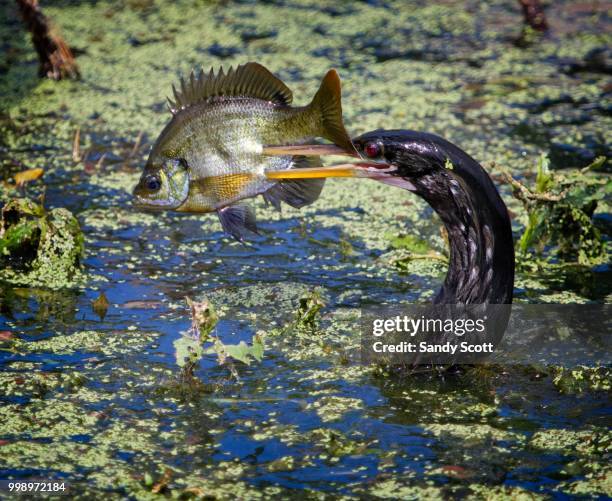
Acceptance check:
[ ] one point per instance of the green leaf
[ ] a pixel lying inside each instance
(544, 179)
(258, 347)
(187, 351)
(241, 352)
(559, 223)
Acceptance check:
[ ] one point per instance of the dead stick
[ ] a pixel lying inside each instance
(55, 57)
(533, 14)
(76, 146)
(136, 145)
(525, 194)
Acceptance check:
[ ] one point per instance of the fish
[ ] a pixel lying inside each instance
(210, 155)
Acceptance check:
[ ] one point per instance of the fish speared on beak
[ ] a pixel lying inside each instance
(370, 170)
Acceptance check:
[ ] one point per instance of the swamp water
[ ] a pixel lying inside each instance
(92, 397)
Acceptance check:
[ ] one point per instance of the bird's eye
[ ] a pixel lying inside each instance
(152, 183)
(372, 150)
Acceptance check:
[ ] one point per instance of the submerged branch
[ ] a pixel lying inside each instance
(533, 14)
(55, 57)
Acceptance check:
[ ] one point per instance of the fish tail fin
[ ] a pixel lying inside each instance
(328, 103)
(296, 192)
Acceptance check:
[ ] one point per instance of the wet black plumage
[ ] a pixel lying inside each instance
(481, 268)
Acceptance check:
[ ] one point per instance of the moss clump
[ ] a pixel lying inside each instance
(39, 247)
(20, 232)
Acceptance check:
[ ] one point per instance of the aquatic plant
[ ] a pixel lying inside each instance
(307, 314)
(200, 340)
(453, 71)
(581, 379)
(560, 210)
(39, 247)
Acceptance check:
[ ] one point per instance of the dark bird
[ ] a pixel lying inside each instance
(481, 266)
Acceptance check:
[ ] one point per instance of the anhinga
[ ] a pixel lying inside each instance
(481, 266)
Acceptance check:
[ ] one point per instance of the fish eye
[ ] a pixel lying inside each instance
(373, 150)
(152, 182)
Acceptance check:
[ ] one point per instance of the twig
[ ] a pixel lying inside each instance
(76, 146)
(533, 14)
(136, 146)
(100, 162)
(428, 255)
(524, 194)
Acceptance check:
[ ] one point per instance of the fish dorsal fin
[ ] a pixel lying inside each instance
(247, 80)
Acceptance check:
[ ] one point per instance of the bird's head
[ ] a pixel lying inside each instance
(416, 161)
(409, 156)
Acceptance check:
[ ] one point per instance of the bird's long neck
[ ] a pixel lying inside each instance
(481, 266)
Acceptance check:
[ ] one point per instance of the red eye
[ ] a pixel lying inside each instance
(372, 150)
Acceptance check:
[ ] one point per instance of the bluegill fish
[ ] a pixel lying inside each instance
(209, 157)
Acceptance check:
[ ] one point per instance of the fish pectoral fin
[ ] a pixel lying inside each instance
(296, 192)
(270, 197)
(236, 220)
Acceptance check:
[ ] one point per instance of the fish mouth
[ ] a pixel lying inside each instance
(144, 199)
(146, 206)
(149, 205)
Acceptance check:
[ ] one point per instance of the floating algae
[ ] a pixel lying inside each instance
(497, 102)
(39, 247)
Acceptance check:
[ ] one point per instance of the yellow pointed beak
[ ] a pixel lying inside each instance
(342, 170)
(308, 150)
(363, 169)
